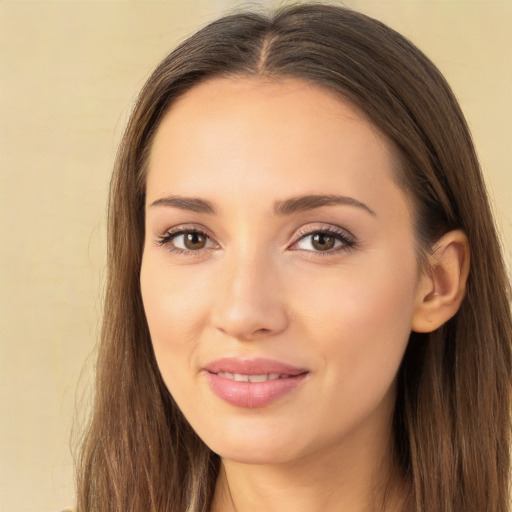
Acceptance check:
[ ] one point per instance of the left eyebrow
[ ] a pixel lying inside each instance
(310, 202)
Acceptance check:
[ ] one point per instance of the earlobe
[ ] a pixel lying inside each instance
(443, 284)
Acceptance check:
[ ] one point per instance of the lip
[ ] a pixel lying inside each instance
(252, 394)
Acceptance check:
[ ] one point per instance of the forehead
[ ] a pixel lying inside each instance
(264, 106)
(283, 137)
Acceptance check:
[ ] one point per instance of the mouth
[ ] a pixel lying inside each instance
(253, 367)
(240, 377)
(252, 383)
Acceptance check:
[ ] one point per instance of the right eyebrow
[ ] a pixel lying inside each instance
(192, 204)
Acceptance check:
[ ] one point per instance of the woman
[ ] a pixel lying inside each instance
(306, 307)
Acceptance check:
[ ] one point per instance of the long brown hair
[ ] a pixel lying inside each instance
(452, 419)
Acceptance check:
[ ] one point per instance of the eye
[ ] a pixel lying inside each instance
(328, 240)
(186, 240)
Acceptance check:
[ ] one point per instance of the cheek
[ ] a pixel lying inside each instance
(366, 294)
(360, 318)
(175, 303)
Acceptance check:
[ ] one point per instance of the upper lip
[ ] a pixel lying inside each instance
(253, 366)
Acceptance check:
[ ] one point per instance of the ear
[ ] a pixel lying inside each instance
(443, 285)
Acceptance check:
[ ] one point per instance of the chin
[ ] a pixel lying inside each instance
(261, 448)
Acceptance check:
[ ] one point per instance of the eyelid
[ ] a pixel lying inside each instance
(323, 228)
(165, 239)
(347, 239)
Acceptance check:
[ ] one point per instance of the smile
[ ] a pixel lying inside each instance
(240, 377)
(252, 383)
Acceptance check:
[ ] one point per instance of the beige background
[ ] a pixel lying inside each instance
(69, 70)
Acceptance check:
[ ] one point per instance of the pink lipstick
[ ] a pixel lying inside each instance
(252, 383)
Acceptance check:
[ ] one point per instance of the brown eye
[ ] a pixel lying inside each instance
(186, 241)
(194, 241)
(323, 241)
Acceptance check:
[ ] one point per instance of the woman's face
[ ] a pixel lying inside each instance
(279, 275)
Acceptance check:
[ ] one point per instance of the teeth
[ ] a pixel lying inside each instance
(240, 377)
(258, 378)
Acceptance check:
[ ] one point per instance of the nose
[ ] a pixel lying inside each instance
(251, 302)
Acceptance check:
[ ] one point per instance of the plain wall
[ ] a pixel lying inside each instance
(69, 72)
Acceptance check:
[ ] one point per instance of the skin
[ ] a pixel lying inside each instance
(260, 288)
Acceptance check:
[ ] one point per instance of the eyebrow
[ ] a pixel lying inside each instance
(310, 202)
(281, 208)
(192, 204)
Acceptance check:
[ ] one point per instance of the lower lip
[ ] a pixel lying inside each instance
(252, 394)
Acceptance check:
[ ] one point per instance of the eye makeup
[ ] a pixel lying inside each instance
(194, 240)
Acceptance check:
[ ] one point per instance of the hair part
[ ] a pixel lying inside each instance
(452, 418)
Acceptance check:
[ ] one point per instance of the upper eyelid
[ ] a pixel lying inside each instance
(185, 228)
(334, 230)
(300, 232)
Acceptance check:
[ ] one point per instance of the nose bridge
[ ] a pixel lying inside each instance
(249, 302)
(249, 267)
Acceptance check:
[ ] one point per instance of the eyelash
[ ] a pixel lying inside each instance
(169, 236)
(347, 240)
